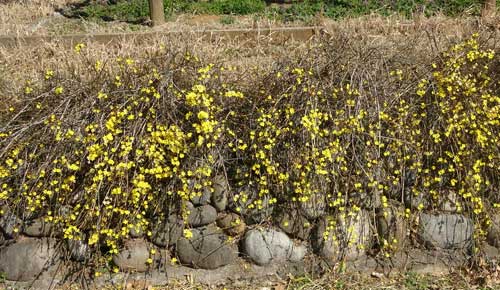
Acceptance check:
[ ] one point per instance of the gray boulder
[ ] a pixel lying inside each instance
(133, 257)
(161, 259)
(391, 226)
(270, 246)
(28, 258)
(208, 248)
(136, 229)
(414, 201)
(168, 232)
(343, 238)
(363, 199)
(449, 202)
(201, 215)
(202, 199)
(135, 232)
(446, 231)
(37, 228)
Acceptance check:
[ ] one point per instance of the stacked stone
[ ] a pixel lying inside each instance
(223, 229)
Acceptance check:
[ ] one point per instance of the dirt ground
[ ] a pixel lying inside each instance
(311, 274)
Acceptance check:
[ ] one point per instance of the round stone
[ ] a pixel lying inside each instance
(391, 226)
(37, 228)
(446, 231)
(167, 233)
(9, 222)
(315, 206)
(270, 246)
(245, 202)
(208, 248)
(343, 238)
(133, 256)
(25, 259)
(294, 224)
(201, 215)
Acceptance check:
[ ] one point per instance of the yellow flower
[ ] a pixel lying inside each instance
(188, 234)
(58, 90)
(48, 74)
(79, 47)
(203, 115)
(93, 239)
(98, 65)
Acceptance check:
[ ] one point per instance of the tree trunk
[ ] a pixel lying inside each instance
(156, 12)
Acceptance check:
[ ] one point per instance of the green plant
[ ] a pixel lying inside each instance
(132, 11)
(413, 281)
(227, 19)
(238, 7)
(138, 10)
(340, 9)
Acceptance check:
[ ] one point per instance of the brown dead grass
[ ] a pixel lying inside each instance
(332, 281)
(392, 38)
(26, 17)
(426, 36)
(29, 63)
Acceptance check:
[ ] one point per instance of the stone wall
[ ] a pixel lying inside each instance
(219, 234)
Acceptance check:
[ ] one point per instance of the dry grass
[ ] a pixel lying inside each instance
(27, 17)
(206, 22)
(410, 281)
(334, 281)
(29, 63)
(390, 36)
